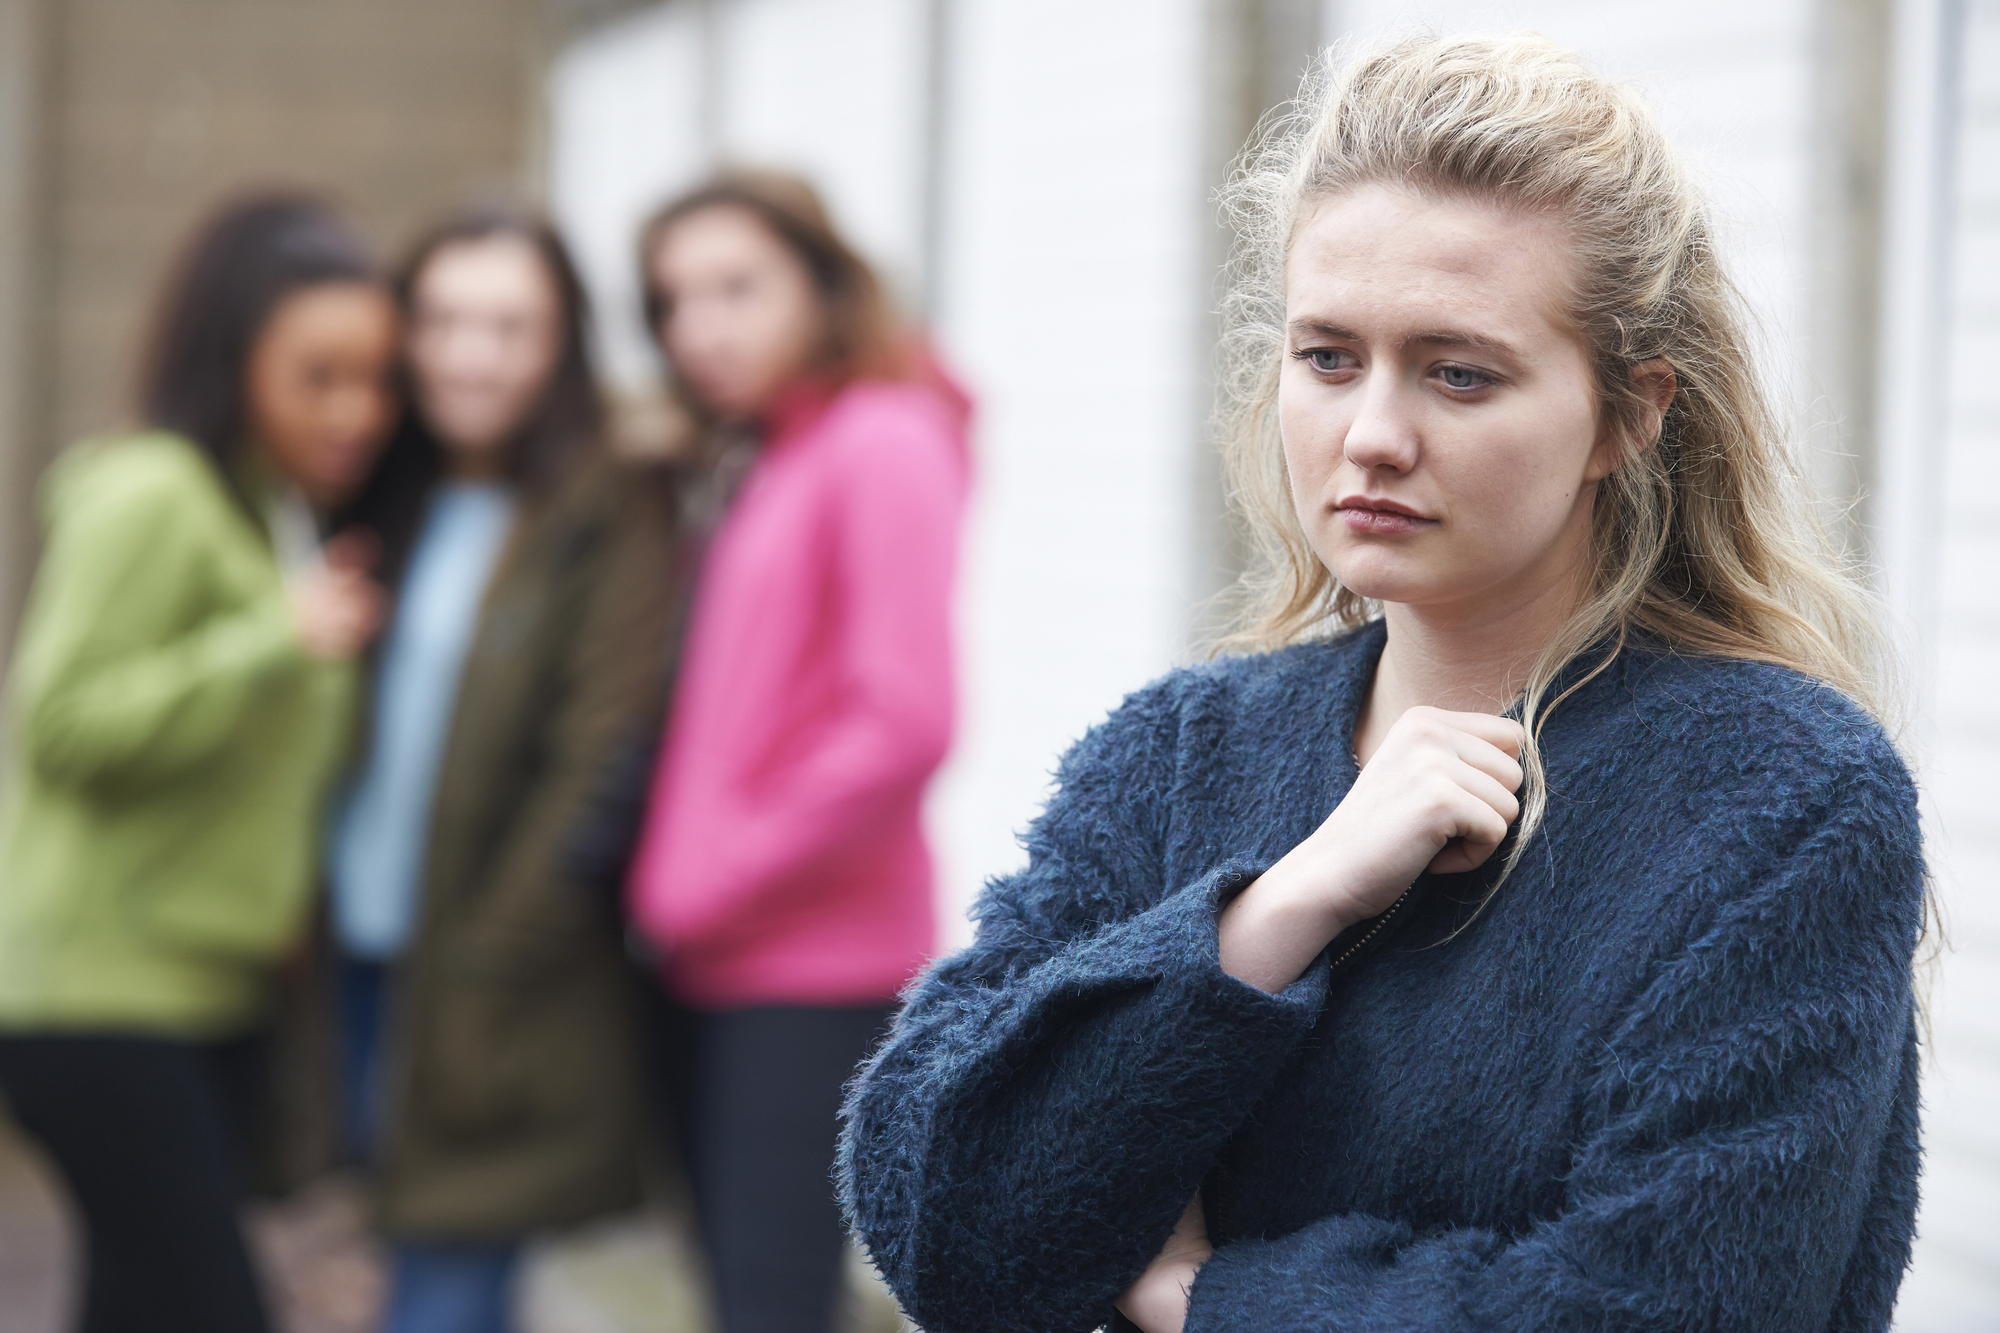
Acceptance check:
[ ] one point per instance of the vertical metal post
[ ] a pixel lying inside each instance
(24, 43)
(714, 54)
(938, 49)
(1912, 344)
(1851, 93)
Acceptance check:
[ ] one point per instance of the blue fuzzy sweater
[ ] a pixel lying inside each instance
(1665, 1080)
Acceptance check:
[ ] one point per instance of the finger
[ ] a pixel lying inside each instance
(1459, 857)
(1454, 812)
(353, 551)
(1502, 733)
(365, 616)
(354, 589)
(1471, 849)
(1482, 825)
(1490, 792)
(1491, 760)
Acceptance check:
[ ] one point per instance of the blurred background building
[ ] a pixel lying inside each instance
(1036, 176)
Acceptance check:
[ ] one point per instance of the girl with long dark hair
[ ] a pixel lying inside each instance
(491, 1071)
(179, 702)
(782, 874)
(1516, 933)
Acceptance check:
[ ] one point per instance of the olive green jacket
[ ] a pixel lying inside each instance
(515, 1075)
(169, 752)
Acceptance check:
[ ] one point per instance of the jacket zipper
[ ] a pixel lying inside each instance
(1373, 930)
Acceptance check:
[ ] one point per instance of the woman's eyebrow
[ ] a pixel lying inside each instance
(1457, 338)
(1306, 328)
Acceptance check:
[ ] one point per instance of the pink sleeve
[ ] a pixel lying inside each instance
(900, 498)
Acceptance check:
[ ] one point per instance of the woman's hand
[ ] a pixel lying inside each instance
(336, 607)
(1437, 795)
(1158, 1301)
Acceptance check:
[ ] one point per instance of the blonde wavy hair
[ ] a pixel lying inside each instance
(1705, 536)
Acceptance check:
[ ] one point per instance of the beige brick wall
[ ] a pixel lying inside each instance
(158, 106)
(145, 112)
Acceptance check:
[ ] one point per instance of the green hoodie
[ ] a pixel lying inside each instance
(168, 757)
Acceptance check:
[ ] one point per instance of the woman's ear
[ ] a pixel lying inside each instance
(1655, 382)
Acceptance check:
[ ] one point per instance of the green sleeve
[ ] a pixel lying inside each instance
(124, 674)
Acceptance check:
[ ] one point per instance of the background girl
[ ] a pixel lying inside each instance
(179, 700)
(782, 871)
(1282, 1027)
(491, 1067)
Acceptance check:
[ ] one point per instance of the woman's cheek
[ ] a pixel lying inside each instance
(1312, 454)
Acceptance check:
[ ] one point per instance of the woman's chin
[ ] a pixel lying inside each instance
(1385, 580)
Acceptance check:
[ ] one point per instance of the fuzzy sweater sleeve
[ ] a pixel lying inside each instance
(1049, 1099)
(1754, 1098)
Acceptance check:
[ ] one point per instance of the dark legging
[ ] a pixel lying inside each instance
(757, 1095)
(147, 1133)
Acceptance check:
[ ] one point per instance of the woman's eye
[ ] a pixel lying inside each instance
(1326, 358)
(1462, 377)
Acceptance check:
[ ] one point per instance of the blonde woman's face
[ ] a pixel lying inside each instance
(1440, 424)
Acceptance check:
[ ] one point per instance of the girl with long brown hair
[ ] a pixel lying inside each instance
(491, 1065)
(783, 875)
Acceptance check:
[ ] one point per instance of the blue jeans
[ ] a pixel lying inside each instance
(434, 1286)
(443, 1287)
(361, 989)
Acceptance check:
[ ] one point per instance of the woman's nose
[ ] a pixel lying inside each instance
(1384, 431)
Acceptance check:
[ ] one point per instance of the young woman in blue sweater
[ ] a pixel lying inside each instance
(1520, 936)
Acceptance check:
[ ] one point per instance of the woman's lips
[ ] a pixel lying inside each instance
(1386, 521)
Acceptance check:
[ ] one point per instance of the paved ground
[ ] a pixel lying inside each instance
(35, 1247)
(631, 1275)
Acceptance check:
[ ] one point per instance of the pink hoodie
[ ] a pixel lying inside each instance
(783, 859)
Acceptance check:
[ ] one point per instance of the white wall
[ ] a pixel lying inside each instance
(625, 132)
(1072, 292)
(833, 89)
